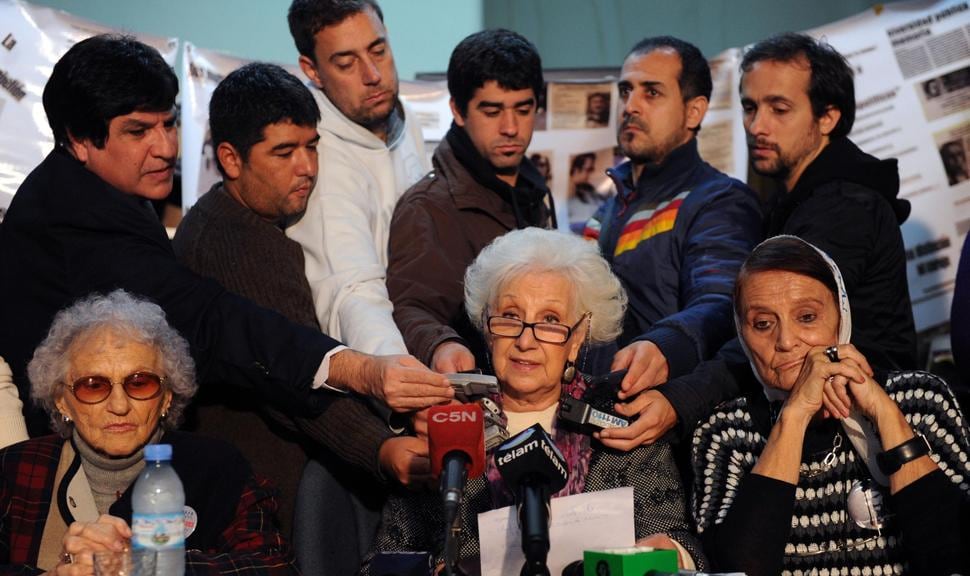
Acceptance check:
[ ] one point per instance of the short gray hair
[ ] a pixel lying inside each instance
(534, 250)
(138, 319)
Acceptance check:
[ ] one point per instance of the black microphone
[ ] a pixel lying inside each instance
(534, 469)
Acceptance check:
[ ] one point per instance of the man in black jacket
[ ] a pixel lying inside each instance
(80, 223)
(799, 106)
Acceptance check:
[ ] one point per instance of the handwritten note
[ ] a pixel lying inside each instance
(581, 522)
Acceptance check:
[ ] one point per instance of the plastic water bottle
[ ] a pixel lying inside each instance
(158, 511)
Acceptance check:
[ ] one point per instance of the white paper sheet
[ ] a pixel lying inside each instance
(584, 521)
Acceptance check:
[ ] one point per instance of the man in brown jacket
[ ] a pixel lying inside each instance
(481, 187)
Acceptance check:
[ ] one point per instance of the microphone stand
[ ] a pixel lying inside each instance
(456, 471)
(452, 534)
(534, 521)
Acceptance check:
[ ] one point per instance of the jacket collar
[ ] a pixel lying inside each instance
(474, 185)
(843, 160)
(669, 174)
(225, 203)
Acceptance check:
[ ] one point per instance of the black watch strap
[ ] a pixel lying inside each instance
(893, 459)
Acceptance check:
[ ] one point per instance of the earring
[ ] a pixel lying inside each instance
(569, 372)
(589, 341)
(164, 414)
(66, 418)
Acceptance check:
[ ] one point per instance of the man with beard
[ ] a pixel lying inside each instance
(371, 151)
(799, 106)
(481, 187)
(677, 230)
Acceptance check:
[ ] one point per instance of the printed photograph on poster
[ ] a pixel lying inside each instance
(542, 110)
(589, 186)
(953, 145)
(944, 95)
(542, 160)
(578, 105)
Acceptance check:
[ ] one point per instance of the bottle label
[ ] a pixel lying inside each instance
(158, 531)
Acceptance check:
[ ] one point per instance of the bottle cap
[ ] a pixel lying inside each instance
(157, 452)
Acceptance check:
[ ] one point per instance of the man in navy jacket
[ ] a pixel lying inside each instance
(678, 230)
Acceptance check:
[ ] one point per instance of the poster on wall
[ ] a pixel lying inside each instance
(573, 145)
(721, 141)
(32, 39)
(912, 79)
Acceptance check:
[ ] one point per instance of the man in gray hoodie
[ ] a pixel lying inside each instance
(371, 151)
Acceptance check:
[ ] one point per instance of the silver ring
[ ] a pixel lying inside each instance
(833, 353)
(67, 558)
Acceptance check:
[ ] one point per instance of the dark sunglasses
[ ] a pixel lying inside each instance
(137, 385)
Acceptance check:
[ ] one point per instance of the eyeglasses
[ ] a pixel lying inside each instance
(137, 385)
(548, 332)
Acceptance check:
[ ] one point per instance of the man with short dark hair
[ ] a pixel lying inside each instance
(481, 187)
(80, 224)
(798, 98)
(263, 122)
(677, 230)
(371, 152)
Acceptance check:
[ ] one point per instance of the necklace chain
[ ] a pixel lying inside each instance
(827, 462)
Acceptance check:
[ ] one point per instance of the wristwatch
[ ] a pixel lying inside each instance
(893, 459)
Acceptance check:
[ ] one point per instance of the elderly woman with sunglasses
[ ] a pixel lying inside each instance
(114, 376)
(540, 297)
(825, 467)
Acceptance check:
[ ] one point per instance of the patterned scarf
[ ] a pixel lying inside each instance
(574, 446)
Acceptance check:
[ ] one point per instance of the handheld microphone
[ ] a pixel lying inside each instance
(456, 443)
(534, 469)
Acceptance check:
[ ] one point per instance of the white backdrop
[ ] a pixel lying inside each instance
(33, 39)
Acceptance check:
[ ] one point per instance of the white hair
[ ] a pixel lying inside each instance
(534, 250)
(140, 320)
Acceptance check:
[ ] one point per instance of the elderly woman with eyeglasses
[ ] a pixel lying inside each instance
(541, 297)
(114, 376)
(825, 467)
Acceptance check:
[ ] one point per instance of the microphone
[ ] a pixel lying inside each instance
(456, 443)
(534, 469)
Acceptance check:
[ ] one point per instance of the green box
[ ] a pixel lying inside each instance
(633, 561)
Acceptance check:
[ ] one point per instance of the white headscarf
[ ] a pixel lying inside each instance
(860, 430)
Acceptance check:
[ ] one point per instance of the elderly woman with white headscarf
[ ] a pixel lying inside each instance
(822, 470)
